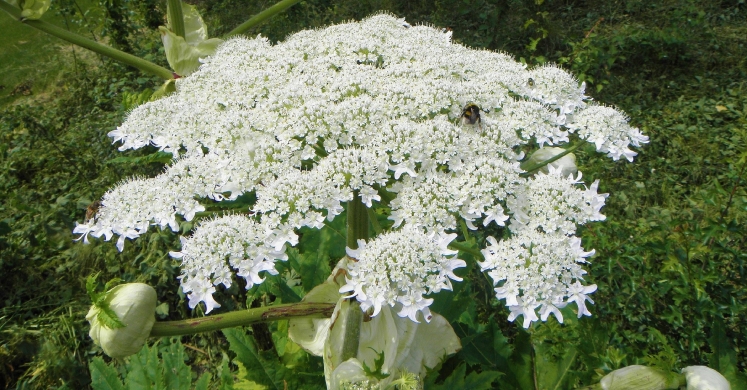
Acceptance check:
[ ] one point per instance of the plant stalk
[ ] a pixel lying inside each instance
(125, 58)
(176, 17)
(242, 318)
(357, 229)
(261, 17)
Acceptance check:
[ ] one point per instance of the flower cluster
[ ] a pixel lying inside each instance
(370, 107)
(399, 268)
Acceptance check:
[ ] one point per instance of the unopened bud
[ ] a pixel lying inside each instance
(640, 378)
(704, 378)
(566, 164)
(135, 306)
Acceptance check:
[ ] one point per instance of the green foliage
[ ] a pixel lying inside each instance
(159, 367)
(670, 261)
(459, 380)
(266, 369)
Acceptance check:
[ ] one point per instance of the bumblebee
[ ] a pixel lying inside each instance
(92, 209)
(471, 114)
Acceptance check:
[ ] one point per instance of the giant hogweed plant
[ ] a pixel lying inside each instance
(374, 115)
(361, 119)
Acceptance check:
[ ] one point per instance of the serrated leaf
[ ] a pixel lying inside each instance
(330, 239)
(177, 375)
(225, 375)
(91, 287)
(203, 382)
(473, 381)
(724, 357)
(375, 371)
(521, 369)
(258, 369)
(144, 370)
(103, 376)
(482, 344)
(112, 283)
(314, 269)
(552, 372)
(108, 318)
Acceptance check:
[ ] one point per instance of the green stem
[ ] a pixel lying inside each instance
(530, 169)
(176, 17)
(261, 17)
(468, 248)
(357, 229)
(357, 221)
(125, 58)
(242, 318)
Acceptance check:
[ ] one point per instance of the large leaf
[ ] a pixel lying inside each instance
(103, 376)
(551, 371)
(313, 268)
(724, 357)
(144, 371)
(176, 373)
(482, 344)
(521, 367)
(261, 370)
(473, 381)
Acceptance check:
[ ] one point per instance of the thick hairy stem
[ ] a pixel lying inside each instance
(242, 318)
(125, 58)
(176, 18)
(357, 230)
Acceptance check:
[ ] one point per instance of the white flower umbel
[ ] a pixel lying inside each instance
(534, 270)
(399, 268)
(362, 107)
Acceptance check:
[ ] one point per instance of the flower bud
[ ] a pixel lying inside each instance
(135, 306)
(704, 378)
(566, 164)
(640, 378)
(34, 9)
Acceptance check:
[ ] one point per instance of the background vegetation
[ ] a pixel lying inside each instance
(670, 261)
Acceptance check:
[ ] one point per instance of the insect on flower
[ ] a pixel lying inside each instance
(92, 209)
(471, 114)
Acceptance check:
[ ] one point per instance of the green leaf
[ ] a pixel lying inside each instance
(314, 269)
(112, 283)
(177, 374)
(551, 371)
(203, 382)
(144, 370)
(103, 376)
(258, 369)
(473, 381)
(108, 317)
(157, 157)
(375, 371)
(521, 368)
(225, 375)
(482, 344)
(724, 357)
(330, 239)
(91, 288)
